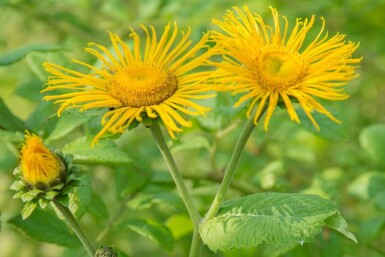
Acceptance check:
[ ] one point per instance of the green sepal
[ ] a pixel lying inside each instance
(27, 196)
(28, 209)
(43, 203)
(17, 186)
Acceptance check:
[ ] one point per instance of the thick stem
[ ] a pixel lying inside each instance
(165, 151)
(231, 168)
(71, 220)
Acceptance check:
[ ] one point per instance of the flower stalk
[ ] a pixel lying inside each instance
(71, 220)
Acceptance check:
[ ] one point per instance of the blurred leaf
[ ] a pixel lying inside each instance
(372, 140)
(97, 207)
(104, 152)
(46, 227)
(81, 198)
(67, 122)
(39, 121)
(180, 225)
(8, 121)
(329, 129)
(19, 53)
(190, 142)
(379, 200)
(367, 185)
(272, 218)
(371, 229)
(169, 199)
(129, 178)
(30, 90)
(154, 231)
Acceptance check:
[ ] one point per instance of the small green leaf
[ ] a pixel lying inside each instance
(28, 209)
(272, 218)
(19, 53)
(104, 152)
(8, 120)
(372, 140)
(339, 224)
(67, 122)
(46, 227)
(81, 198)
(154, 231)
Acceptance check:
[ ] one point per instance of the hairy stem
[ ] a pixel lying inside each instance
(231, 168)
(176, 175)
(71, 220)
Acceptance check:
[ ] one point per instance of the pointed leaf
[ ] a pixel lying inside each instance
(154, 231)
(272, 218)
(46, 227)
(339, 224)
(8, 120)
(104, 152)
(19, 53)
(28, 209)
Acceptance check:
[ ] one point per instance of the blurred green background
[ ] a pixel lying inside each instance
(287, 158)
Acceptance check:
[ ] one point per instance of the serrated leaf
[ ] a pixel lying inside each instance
(154, 231)
(329, 129)
(19, 53)
(104, 152)
(8, 120)
(45, 226)
(81, 198)
(165, 198)
(273, 218)
(339, 224)
(372, 140)
(67, 122)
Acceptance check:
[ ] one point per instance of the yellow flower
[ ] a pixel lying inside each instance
(270, 64)
(39, 166)
(157, 81)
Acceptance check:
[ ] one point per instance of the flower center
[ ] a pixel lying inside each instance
(142, 85)
(278, 69)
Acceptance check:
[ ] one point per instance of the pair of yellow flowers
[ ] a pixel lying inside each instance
(160, 78)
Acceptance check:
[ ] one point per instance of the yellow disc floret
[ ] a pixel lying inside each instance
(38, 164)
(142, 85)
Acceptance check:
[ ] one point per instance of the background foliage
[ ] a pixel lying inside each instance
(133, 204)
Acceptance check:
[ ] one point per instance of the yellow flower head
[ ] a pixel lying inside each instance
(39, 166)
(159, 80)
(269, 64)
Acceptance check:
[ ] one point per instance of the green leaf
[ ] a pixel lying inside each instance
(30, 90)
(8, 120)
(104, 152)
(165, 198)
(372, 140)
(339, 224)
(129, 178)
(379, 200)
(19, 53)
(46, 227)
(80, 200)
(154, 231)
(97, 207)
(67, 122)
(272, 218)
(329, 129)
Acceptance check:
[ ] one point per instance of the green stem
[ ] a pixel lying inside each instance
(165, 151)
(71, 220)
(196, 244)
(231, 168)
